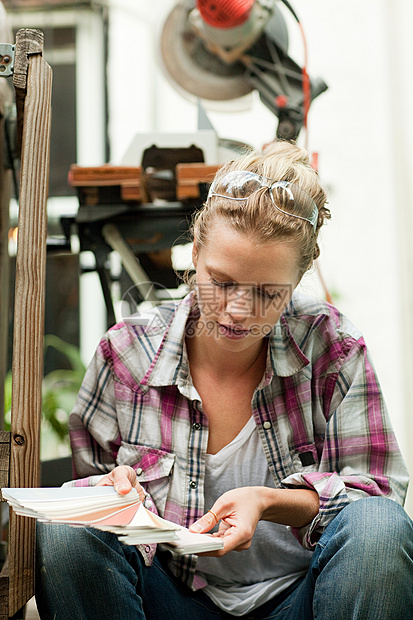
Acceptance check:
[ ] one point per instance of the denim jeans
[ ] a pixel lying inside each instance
(362, 567)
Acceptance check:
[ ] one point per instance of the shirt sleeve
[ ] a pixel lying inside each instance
(93, 426)
(94, 431)
(360, 456)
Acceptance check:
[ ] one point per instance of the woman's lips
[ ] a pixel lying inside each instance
(232, 332)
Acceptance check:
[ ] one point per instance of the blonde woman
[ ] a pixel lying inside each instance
(249, 412)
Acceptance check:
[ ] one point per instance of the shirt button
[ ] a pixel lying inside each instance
(193, 484)
(139, 471)
(196, 426)
(267, 425)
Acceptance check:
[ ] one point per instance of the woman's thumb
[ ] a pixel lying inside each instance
(205, 523)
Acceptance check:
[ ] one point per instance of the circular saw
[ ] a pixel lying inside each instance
(220, 50)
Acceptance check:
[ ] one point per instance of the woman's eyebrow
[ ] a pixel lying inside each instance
(219, 273)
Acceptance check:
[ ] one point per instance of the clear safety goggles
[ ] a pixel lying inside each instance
(287, 197)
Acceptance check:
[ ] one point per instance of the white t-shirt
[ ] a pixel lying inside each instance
(241, 581)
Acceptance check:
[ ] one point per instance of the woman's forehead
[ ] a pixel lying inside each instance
(240, 257)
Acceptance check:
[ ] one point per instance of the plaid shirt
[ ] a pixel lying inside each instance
(319, 412)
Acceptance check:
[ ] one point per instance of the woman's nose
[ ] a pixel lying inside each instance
(239, 303)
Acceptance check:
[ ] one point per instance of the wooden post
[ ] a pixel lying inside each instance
(32, 80)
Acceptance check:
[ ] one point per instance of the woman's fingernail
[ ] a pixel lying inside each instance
(195, 527)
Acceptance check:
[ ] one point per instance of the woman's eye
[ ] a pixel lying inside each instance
(222, 284)
(268, 296)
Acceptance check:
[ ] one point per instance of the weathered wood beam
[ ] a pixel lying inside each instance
(27, 367)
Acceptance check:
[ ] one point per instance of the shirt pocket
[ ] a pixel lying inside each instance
(305, 458)
(153, 469)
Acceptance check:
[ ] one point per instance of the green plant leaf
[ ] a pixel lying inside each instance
(69, 350)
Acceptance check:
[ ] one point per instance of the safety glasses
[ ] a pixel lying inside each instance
(287, 197)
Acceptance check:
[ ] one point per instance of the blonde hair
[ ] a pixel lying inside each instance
(257, 216)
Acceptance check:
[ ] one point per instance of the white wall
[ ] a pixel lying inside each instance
(361, 129)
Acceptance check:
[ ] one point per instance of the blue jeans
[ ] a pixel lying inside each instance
(361, 568)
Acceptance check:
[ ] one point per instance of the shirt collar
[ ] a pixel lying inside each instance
(286, 357)
(170, 365)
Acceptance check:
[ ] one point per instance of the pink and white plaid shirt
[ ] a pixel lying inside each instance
(319, 412)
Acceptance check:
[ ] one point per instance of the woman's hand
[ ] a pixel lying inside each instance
(238, 511)
(123, 479)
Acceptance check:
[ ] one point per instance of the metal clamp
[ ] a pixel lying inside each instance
(7, 54)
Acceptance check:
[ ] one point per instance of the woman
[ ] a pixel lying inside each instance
(248, 411)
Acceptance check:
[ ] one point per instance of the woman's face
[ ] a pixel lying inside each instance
(243, 287)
